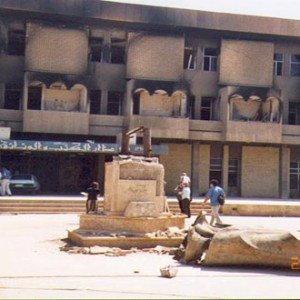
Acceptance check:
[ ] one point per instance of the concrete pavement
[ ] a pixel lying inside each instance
(33, 267)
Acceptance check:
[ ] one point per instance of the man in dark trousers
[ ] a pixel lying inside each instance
(92, 196)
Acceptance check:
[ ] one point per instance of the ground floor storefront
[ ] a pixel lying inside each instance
(244, 170)
(251, 171)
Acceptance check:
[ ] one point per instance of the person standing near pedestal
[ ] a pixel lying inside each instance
(92, 196)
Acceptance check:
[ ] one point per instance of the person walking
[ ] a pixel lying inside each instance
(213, 194)
(5, 181)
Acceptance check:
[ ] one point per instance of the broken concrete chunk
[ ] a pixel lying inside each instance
(141, 209)
(168, 272)
(196, 245)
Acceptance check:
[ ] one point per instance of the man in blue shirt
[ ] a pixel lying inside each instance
(213, 194)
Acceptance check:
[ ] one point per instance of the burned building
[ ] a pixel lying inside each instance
(222, 91)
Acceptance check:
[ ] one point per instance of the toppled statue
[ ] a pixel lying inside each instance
(238, 246)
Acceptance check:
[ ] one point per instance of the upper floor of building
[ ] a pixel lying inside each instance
(102, 66)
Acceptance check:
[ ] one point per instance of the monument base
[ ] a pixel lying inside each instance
(114, 223)
(89, 239)
(126, 232)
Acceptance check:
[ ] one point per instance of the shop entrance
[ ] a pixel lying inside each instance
(58, 173)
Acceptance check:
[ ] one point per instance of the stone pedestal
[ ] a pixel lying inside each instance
(134, 205)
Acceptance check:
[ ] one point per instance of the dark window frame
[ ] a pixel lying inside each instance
(96, 49)
(95, 101)
(278, 64)
(295, 172)
(233, 172)
(295, 65)
(12, 97)
(190, 58)
(33, 102)
(118, 50)
(16, 42)
(215, 169)
(205, 109)
(114, 103)
(210, 59)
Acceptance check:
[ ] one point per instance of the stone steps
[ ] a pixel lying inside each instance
(67, 206)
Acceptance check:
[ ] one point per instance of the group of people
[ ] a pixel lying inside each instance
(215, 194)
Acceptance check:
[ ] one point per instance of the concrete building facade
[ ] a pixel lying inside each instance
(221, 91)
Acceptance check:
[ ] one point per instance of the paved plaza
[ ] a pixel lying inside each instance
(33, 267)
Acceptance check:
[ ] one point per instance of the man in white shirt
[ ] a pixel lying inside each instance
(185, 179)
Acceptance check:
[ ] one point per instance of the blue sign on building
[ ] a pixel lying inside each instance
(51, 146)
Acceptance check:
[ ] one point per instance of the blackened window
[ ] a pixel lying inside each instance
(294, 113)
(114, 103)
(191, 107)
(12, 97)
(215, 171)
(95, 102)
(34, 98)
(210, 59)
(295, 65)
(277, 64)
(117, 51)
(233, 173)
(295, 175)
(136, 103)
(96, 49)
(16, 42)
(206, 108)
(190, 58)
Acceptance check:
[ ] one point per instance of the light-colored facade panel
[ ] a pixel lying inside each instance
(176, 161)
(254, 132)
(56, 50)
(153, 57)
(55, 122)
(260, 172)
(204, 165)
(246, 63)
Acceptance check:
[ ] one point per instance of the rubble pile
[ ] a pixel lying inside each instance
(108, 251)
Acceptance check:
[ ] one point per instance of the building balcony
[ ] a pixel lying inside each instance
(11, 118)
(291, 134)
(205, 130)
(162, 127)
(105, 125)
(56, 122)
(253, 132)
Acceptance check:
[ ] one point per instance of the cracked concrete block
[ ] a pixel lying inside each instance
(141, 209)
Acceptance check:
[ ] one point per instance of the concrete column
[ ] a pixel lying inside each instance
(285, 107)
(204, 165)
(195, 170)
(225, 166)
(104, 94)
(197, 107)
(128, 105)
(100, 170)
(25, 92)
(2, 94)
(285, 153)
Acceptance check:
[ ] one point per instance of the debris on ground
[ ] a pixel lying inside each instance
(168, 272)
(108, 251)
